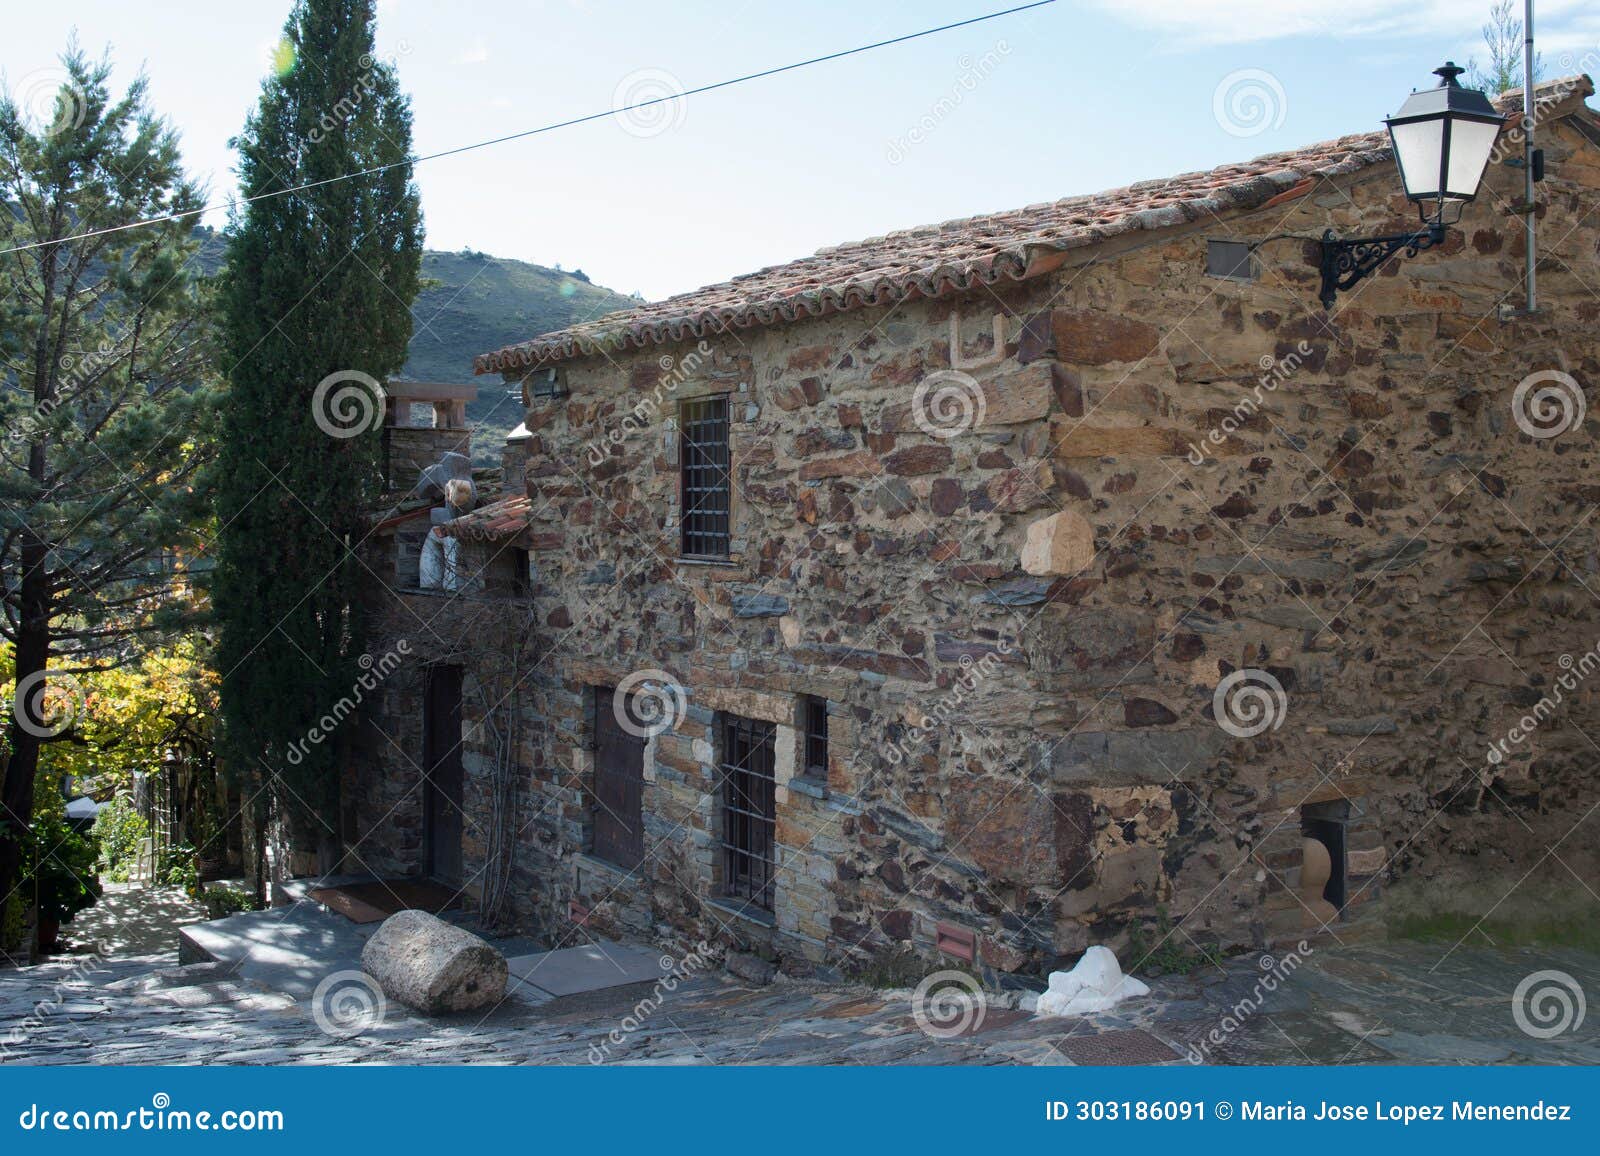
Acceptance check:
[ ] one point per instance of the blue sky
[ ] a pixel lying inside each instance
(1073, 98)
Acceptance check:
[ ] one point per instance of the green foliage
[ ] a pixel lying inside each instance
(1502, 39)
(481, 303)
(1168, 952)
(11, 923)
(176, 867)
(120, 830)
(223, 901)
(316, 283)
(129, 717)
(475, 302)
(105, 403)
(58, 868)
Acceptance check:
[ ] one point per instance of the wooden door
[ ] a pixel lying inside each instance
(618, 785)
(442, 794)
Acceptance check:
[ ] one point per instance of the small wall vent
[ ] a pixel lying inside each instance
(1230, 260)
(956, 942)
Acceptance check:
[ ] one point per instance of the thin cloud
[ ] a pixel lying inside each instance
(1213, 22)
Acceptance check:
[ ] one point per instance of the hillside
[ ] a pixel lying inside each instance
(471, 303)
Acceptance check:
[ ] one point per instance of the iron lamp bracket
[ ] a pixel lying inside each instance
(1347, 262)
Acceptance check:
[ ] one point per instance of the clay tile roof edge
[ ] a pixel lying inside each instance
(955, 256)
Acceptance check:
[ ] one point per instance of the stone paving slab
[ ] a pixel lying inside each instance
(589, 967)
(286, 949)
(1369, 1003)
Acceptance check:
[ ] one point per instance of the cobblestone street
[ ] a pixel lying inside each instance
(1365, 1003)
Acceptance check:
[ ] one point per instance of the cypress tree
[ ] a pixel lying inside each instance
(316, 292)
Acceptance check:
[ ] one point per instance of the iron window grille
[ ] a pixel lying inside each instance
(749, 810)
(704, 462)
(816, 732)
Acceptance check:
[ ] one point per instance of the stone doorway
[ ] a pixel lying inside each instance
(442, 774)
(1328, 823)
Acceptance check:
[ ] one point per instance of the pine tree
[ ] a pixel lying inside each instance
(1502, 37)
(106, 413)
(317, 284)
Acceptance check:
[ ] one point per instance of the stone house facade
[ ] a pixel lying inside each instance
(1058, 584)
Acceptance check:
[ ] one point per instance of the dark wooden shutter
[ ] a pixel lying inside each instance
(618, 786)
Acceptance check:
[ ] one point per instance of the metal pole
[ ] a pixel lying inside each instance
(1527, 147)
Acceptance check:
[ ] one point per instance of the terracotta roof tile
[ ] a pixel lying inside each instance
(932, 260)
(498, 520)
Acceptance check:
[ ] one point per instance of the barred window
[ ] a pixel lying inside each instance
(749, 809)
(704, 461)
(815, 722)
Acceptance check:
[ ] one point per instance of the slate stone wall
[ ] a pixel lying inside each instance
(1339, 514)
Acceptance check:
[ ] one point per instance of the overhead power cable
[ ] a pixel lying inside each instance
(483, 144)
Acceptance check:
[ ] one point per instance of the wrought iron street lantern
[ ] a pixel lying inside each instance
(1442, 140)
